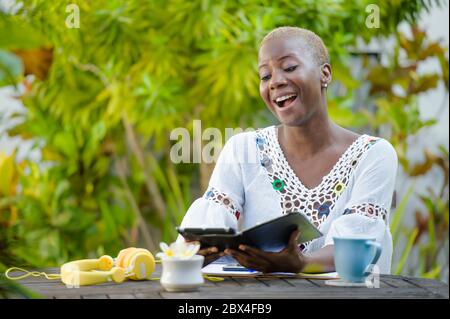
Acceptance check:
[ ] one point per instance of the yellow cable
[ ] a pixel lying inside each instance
(30, 273)
(211, 278)
(58, 276)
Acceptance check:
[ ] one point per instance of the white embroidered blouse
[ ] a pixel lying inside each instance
(252, 182)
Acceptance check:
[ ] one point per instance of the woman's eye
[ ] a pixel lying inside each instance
(265, 78)
(291, 68)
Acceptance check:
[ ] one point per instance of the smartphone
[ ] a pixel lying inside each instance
(236, 267)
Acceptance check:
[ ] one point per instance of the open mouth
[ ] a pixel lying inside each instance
(285, 100)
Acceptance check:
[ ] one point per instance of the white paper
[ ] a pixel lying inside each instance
(216, 269)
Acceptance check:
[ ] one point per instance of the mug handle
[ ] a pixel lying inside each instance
(375, 258)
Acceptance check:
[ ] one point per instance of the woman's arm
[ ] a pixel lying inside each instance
(221, 205)
(290, 259)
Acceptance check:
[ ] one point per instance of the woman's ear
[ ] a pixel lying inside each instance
(325, 74)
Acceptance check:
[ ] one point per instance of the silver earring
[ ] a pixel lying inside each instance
(325, 85)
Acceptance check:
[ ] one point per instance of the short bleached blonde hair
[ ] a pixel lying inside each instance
(313, 43)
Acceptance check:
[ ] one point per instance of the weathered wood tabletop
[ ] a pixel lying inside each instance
(235, 288)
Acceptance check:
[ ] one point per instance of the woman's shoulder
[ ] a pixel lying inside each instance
(380, 145)
(378, 149)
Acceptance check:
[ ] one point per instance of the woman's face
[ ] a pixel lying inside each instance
(290, 80)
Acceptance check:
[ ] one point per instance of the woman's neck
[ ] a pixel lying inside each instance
(309, 139)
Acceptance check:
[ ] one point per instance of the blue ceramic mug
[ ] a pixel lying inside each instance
(354, 257)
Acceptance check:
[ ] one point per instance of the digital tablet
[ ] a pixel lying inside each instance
(272, 235)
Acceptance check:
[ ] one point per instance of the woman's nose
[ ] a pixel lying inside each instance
(277, 80)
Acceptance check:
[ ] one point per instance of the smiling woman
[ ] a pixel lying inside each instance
(297, 56)
(341, 181)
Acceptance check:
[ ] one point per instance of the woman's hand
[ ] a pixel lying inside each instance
(210, 254)
(290, 259)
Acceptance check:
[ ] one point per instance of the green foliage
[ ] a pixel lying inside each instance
(399, 214)
(409, 244)
(395, 89)
(135, 70)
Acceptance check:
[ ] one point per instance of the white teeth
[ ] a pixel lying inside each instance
(285, 97)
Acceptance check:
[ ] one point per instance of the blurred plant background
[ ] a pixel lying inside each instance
(101, 100)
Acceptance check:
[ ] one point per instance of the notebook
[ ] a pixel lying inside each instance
(218, 267)
(272, 235)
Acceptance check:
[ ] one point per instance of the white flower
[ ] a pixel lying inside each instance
(181, 250)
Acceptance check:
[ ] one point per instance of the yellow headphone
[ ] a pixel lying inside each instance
(138, 263)
(133, 263)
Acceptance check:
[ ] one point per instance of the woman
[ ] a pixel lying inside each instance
(343, 182)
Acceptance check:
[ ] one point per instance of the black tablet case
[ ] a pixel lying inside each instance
(272, 235)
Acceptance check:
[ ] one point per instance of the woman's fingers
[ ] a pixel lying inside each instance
(244, 261)
(247, 260)
(237, 255)
(255, 252)
(293, 239)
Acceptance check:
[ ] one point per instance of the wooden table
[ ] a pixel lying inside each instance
(235, 288)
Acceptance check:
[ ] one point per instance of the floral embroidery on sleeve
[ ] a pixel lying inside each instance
(218, 197)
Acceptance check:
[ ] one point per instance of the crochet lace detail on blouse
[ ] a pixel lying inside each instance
(369, 210)
(223, 199)
(316, 203)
